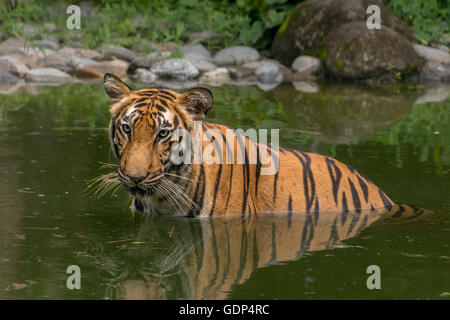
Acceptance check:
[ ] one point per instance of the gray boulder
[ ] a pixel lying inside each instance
(236, 55)
(13, 65)
(432, 54)
(306, 64)
(216, 77)
(310, 25)
(269, 72)
(433, 70)
(47, 43)
(144, 76)
(195, 51)
(48, 75)
(354, 52)
(202, 65)
(148, 60)
(118, 52)
(75, 61)
(175, 68)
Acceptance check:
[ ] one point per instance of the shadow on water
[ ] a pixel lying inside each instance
(205, 258)
(343, 114)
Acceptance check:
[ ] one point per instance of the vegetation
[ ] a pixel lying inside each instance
(240, 22)
(429, 19)
(233, 22)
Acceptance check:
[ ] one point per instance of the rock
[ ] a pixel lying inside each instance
(75, 61)
(46, 44)
(354, 52)
(175, 68)
(48, 75)
(196, 52)
(144, 75)
(203, 36)
(238, 73)
(203, 65)
(306, 86)
(306, 64)
(441, 47)
(62, 67)
(253, 65)
(13, 66)
(6, 77)
(118, 52)
(236, 55)
(22, 47)
(98, 69)
(433, 70)
(432, 54)
(148, 60)
(269, 72)
(33, 61)
(435, 93)
(14, 46)
(309, 25)
(68, 52)
(217, 76)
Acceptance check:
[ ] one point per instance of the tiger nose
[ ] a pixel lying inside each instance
(136, 178)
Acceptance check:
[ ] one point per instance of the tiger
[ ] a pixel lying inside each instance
(207, 258)
(143, 136)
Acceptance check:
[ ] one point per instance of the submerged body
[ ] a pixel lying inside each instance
(143, 136)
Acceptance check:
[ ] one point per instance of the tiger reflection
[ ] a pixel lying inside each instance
(205, 258)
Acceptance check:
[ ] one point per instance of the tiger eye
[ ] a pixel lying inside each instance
(126, 128)
(163, 133)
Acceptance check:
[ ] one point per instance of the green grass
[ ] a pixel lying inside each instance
(235, 22)
(241, 22)
(428, 19)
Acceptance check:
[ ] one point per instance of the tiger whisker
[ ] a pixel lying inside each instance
(178, 176)
(103, 184)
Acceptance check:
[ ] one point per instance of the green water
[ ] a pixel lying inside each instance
(54, 139)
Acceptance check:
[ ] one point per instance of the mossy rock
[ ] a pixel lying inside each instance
(358, 53)
(308, 25)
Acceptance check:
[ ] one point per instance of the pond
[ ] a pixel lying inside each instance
(53, 140)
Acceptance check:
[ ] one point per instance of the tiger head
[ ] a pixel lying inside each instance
(142, 127)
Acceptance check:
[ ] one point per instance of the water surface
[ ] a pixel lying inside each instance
(53, 140)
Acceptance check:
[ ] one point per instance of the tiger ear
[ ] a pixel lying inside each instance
(114, 87)
(197, 102)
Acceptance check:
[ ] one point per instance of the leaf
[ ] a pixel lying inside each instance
(252, 35)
